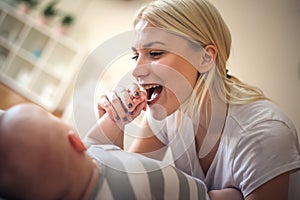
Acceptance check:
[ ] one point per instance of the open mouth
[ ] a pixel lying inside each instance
(153, 92)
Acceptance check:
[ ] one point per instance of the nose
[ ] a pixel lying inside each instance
(141, 68)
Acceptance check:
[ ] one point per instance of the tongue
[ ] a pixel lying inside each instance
(155, 92)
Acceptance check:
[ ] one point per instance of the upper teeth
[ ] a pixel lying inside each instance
(147, 87)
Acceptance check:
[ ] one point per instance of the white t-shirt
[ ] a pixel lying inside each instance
(258, 143)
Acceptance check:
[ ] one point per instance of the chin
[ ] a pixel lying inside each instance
(158, 112)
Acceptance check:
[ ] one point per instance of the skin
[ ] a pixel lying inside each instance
(41, 158)
(150, 69)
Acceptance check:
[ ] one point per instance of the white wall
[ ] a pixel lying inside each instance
(266, 48)
(98, 20)
(266, 42)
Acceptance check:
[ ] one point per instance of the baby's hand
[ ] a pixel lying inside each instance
(137, 101)
(123, 105)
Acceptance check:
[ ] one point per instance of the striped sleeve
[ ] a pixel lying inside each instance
(2, 112)
(133, 176)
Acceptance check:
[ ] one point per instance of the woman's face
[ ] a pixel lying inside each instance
(164, 68)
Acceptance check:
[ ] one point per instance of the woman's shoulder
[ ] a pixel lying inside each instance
(264, 146)
(250, 115)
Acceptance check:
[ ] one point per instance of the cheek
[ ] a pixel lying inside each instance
(182, 67)
(178, 78)
(187, 70)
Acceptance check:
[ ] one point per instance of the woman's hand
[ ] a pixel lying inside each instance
(122, 105)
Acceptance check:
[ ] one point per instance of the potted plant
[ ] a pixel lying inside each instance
(67, 20)
(25, 5)
(49, 11)
(65, 23)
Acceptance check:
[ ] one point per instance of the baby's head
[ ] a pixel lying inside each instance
(37, 158)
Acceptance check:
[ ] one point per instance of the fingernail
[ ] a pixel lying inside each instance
(129, 105)
(125, 119)
(136, 94)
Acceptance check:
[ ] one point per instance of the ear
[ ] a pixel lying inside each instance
(208, 58)
(76, 142)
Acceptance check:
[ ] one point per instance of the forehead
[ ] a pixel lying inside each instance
(147, 36)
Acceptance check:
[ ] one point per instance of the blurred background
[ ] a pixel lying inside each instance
(43, 45)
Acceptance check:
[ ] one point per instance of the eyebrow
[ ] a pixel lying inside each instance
(148, 45)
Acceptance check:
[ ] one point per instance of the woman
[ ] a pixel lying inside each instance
(219, 129)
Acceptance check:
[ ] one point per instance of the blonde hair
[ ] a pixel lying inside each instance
(202, 22)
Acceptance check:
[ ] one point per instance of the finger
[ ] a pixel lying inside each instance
(140, 92)
(101, 112)
(141, 106)
(103, 104)
(119, 111)
(139, 100)
(138, 96)
(112, 113)
(142, 96)
(134, 90)
(124, 95)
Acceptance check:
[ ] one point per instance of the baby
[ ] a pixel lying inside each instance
(42, 158)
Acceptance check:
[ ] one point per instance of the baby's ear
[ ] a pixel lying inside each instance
(76, 142)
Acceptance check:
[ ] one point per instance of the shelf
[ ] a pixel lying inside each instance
(11, 28)
(20, 71)
(45, 86)
(60, 60)
(4, 53)
(35, 43)
(35, 61)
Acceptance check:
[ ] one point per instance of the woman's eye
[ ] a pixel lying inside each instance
(155, 54)
(135, 57)
(151, 55)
